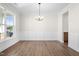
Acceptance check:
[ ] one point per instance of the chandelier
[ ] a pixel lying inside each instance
(39, 18)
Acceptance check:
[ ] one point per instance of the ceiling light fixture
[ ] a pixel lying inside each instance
(39, 18)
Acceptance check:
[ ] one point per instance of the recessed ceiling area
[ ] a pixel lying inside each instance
(45, 7)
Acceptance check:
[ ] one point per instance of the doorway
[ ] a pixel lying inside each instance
(65, 28)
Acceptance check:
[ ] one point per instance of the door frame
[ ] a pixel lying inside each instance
(62, 27)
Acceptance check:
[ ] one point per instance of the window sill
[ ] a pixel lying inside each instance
(6, 39)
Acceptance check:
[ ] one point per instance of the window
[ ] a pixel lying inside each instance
(9, 25)
(6, 25)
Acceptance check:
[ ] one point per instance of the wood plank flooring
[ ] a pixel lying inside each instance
(39, 48)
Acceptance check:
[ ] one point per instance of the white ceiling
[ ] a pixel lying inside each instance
(45, 7)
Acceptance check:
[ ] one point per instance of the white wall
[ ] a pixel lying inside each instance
(73, 26)
(73, 21)
(65, 22)
(31, 29)
(4, 44)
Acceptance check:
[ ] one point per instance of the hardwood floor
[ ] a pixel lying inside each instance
(39, 48)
